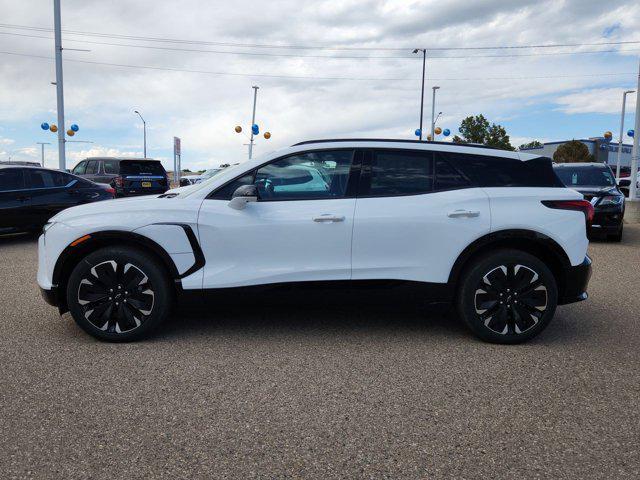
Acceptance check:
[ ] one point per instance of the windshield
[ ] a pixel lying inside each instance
(585, 176)
(211, 172)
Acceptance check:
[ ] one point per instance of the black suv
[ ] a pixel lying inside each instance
(128, 176)
(597, 183)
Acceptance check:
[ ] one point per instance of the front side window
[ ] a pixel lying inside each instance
(226, 192)
(92, 167)
(11, 179)
(398, 173)
(80, 169)
(306, 176)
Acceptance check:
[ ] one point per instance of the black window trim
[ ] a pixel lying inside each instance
(27, 172)
(352, 183)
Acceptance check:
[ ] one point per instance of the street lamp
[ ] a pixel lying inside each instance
(624, 104)
(433, 113)
(424, 63)
(42, 144)
(144, 130)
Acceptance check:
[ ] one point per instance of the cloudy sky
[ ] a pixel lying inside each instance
(189, 66)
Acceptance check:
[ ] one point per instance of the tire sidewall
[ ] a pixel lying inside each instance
(158, 278)
(472, 276)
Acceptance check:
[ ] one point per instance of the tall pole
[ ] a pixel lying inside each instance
(42, 144)
(433, 114)
(424, 65)
(144, 132)
(253, 119)
(636, 150)
(62, 163)
(624, 104)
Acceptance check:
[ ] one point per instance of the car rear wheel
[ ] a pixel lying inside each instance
(507, 297)
(119, 294)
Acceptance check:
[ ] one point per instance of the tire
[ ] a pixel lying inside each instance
(525, 286)
(616, 237)
(119, 294)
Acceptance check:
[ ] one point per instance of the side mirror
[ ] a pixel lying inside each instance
(243, 195)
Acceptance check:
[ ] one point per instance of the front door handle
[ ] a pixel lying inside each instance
(463, 214)
(327, 217)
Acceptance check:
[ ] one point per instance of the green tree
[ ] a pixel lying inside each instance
(572, 152)
(533, 144)
(477, 129)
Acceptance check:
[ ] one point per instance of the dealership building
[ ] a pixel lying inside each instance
(603, 151)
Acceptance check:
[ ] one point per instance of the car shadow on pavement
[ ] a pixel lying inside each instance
(10, 239)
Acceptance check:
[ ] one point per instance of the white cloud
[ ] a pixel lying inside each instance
(6, 141)
(599, 100)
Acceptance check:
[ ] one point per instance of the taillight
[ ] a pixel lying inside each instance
(579, 205)
(112, 191)
(119, 181)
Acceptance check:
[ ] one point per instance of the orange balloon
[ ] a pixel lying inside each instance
(71, 133)
(267, 135)
(53, 128)
(438, 131)
(238, 129)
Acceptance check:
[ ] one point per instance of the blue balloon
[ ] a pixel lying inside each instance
(255, 129)
(631, 133)
(75, 127)
(446, 132)
(44, 126)
(418, 132)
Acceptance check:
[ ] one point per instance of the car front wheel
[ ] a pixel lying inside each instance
(119, 294)
(507, 297)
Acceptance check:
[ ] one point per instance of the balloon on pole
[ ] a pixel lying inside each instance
(267, 135)
(238, 129)
(418, 132)
(631, 133)
(71, 133)
(608, 136)
(255, 129)
(446, 132)
(437, 131)
(53, 128)
(75, 127)
(44, 126)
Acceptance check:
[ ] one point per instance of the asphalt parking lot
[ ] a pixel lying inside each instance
(323, 391)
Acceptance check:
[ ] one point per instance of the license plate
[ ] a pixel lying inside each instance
(146, 184)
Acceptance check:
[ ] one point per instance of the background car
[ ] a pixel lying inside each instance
(193, 179)
(29, 196)
(127, 176)
(624, 183)
(598, 185)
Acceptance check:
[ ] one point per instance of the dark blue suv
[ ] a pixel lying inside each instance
(128, 176)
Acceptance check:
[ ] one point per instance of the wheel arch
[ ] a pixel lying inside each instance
(535, 243)
(73, 254)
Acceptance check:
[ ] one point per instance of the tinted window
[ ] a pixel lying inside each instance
(226, 192)
(132, 167)
(80, 169)
(11, 179)
(488, 171)
(48, 179)
(92, 167)
(447, 177)
(585, 176)
(310, 175)
(110, 166)
(399, 173)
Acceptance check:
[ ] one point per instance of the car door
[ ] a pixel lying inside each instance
(299, 229)
(52, 191)
(15, 199)
(80, 169)
(414, 215)
(93, 168)
(110, 170)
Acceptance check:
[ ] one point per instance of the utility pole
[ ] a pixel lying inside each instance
(433, 114)
(42, 144)
(57, 25)
(624, 105)
(424, 66)
(636, 151)
(253, 119)
(144, 132)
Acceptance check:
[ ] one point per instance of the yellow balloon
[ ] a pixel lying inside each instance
(608, 134)
(53, 128)
(267, 135)
(238, 129)
(71, 133)
(438, 131)
(428, 138)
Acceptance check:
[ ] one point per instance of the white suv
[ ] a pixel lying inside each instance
(493, 232)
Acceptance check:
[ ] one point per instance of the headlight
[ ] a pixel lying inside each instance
(611, 200)
(47, 226)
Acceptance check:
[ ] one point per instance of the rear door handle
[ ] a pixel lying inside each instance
(463, 214)
(327, 218)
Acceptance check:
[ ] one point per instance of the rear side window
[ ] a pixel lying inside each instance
(447, 177)
(110, 166)
(48, 179)
(11, 179)
(487, 171)
(398, 173)
(132, 167)
(92, 167)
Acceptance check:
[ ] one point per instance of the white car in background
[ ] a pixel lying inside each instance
(492, 232)
(194, 179)
(624, 184)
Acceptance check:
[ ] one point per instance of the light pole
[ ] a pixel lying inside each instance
(144, 132)
(636, 150)
(424, 64)
(42, 144)
(253, 119)
(433, 113)
(59, 85)
(624, 104)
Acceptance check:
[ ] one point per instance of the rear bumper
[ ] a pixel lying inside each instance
(576, 280)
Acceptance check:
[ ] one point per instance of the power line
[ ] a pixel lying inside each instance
(310, 77)
(310, 47)
(294, 55)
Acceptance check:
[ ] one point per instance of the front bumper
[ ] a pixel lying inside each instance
(576, 280)
(50, 295)
(607, 219)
